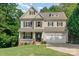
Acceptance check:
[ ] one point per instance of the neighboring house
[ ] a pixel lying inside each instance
(50, 27)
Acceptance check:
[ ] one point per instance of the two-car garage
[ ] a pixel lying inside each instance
(55, 38)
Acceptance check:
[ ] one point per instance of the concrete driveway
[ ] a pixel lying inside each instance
(66, 48)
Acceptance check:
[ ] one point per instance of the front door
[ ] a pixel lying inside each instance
(38, 36)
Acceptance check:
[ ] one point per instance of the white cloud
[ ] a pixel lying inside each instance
(39, 7)
(23, 6)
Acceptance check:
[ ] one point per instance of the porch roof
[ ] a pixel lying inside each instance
(30, 30)
(46, 29)
(55, 29)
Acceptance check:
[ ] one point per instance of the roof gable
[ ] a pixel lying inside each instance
(27, 15)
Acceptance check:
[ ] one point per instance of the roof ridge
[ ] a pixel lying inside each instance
(52, 12)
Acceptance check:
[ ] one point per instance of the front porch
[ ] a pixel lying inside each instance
(28, 37)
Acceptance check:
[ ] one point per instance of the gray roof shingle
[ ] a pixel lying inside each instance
(54, 16)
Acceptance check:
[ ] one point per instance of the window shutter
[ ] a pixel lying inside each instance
(48, 23)
(52, 23)
(24, 24)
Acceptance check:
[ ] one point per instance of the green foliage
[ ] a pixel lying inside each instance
(53, 8)
(73, 26)
(45, 9)
(68, 8)
(43, 42)
(9, 24)
(63, 7)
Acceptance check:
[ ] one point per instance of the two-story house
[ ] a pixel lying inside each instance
(50, 27)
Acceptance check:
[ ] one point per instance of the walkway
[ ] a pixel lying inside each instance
(66, 48)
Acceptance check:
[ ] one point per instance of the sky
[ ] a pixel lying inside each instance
(25, 6)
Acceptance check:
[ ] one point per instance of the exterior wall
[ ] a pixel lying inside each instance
(44, 24)
(64, 23)
(24, 41)
(54, 23)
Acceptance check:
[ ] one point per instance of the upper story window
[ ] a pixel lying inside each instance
(50, 14)
(31, 12)
(38, 24)
(50, 23)
(53, 15)
(59, 23)
(27, 23)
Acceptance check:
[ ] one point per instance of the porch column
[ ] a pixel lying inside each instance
(19, 35)
(42, 35)
(33, 35)
(67, 36)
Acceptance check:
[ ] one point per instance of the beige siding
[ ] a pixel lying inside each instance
(28, 16)
(54, 24)
(64, 23)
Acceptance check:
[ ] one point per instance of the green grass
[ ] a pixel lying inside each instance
(37, 50)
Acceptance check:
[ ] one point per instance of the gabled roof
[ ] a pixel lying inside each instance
(44, 16)
(27, 16)
(54, 16)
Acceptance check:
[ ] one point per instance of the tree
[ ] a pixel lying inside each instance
(45, 9)
(55, 8)
(68, 8)
(9, 24)
(73, 26)
(64, 7)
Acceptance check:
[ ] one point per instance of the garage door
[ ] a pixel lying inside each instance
(54, 38)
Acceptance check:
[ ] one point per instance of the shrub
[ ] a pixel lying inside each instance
(25, 43)
(43, 42)
(7, 41)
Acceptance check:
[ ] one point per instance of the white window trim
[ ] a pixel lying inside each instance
(50, 23)
(27, 35)
(40, 23)
(60, 24)
(25, 25)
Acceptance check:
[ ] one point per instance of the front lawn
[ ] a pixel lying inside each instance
(37, 50)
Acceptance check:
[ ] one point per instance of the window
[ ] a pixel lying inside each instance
(31, 12)
(27, 23)
(50, 23)
(49, 14)
(27, 35)
(38, 24)
(59, 23)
